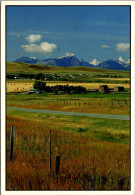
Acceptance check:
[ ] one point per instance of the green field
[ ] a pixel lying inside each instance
(73, 74)
(94, 152)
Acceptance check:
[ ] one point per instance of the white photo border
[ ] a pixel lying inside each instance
(3, 96)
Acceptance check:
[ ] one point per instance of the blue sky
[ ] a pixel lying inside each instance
(92, 33)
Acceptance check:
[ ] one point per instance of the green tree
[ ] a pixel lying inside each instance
(39, 85)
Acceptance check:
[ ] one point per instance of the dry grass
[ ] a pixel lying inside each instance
(84, 106)
(25, 86)
(18, 87)
(86, 164)
(87, 85)
(114, 79)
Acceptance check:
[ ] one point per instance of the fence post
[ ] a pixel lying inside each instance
(57, 164)
(12, 142)
(50, 150)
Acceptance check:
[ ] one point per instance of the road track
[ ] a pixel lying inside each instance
(109, 116)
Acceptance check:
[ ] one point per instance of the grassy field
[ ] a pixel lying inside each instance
(12, 67)
(94, 153)
(88, 103)
(80, 73)
(15, 86)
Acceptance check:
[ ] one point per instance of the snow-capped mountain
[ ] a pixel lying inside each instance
(113, 65)
(29, 60)
(84, 63)
(66, 61)
(71, 60)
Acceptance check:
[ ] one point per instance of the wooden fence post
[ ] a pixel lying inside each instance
(12, 142)
(57, 164)
(50, 150)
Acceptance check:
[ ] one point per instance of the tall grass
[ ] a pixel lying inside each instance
(86, 163)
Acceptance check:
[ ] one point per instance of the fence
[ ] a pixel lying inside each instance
(78, 103)
(12, 137)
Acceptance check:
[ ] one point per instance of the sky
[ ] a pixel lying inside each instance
(92, 33)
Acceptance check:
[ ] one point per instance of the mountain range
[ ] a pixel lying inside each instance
(70, 61)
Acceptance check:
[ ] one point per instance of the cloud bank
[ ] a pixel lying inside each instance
(44, 47)
(94, 62)
(121, 59)
(69, 54)
(122, 47)
(124, 61)
(105, 46)
(128, 62)
(33, 38)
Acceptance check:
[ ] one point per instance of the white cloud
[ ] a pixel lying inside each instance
(128, 62)
(66, 55)
(33, 58)
(94, 62)
(124, 61)
(121, 59)
(44, 47)
(69, 54)
(105, 46)
(123, 47)
(33, 38)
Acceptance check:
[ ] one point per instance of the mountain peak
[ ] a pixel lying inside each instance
(113, 65)
(71, 60)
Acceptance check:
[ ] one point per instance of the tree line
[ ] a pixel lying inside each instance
(58, 88)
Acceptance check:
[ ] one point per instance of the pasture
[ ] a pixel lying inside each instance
(88, 103)
(25, 86)
(18, 67)
(94, 152)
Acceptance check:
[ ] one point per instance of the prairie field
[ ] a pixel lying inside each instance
(25, 86)
(17, 67)
(117, 104)
(87, 85)
(94, 155)
(94, 152)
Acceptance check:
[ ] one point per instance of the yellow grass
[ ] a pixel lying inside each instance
(18, 87)
(87, 85)
(86, 163)
(117, 79)
(25, 86)
(97, 107)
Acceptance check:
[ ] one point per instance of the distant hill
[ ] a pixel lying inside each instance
(114, 65)
(72, 61)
